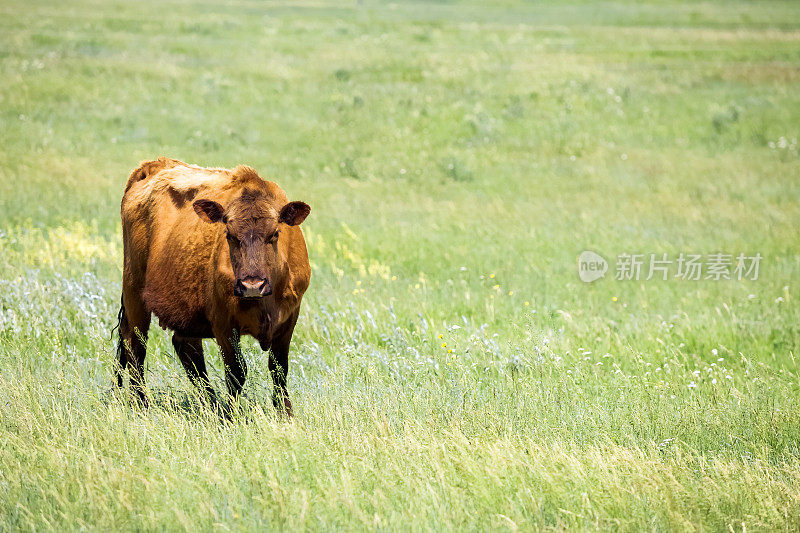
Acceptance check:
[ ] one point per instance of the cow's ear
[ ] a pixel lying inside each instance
(208, 210)
(294, 213)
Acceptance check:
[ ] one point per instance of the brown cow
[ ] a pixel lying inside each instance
(216, 253)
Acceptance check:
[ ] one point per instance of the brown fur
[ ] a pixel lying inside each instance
(192, 234)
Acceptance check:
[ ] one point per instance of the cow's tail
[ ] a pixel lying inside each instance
(122, 359)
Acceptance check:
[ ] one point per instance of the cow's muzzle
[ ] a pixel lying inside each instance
(252, 288)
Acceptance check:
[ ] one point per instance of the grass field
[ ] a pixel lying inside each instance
(449, 370)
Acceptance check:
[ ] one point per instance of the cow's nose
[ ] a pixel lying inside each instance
(252, 288)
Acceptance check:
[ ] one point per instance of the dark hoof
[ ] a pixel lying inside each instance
(143, 402)
(284, 408)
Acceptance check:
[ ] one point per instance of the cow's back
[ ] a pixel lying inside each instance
(168, 249)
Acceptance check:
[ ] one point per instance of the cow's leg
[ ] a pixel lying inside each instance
(190, 353)
(133, 335)
(279, 367)
(235, 365)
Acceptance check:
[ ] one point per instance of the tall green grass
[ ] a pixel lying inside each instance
(449, 369)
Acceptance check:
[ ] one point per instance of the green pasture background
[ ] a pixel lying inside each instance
(449, 371)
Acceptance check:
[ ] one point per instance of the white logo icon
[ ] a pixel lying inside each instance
(591, 266)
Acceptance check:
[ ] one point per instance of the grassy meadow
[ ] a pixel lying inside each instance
(449, 371)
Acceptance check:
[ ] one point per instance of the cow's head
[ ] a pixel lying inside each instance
(253, 223)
